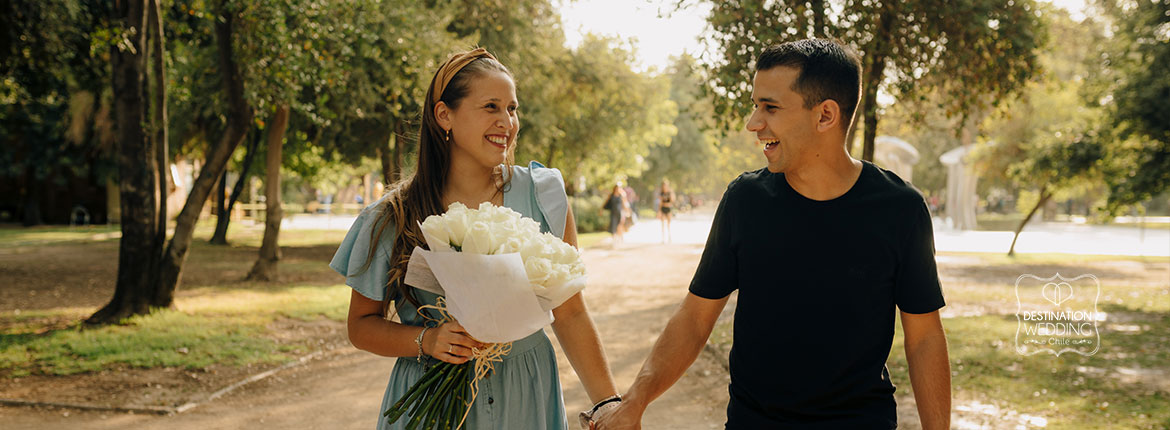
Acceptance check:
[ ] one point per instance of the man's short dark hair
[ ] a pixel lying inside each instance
(828, 71)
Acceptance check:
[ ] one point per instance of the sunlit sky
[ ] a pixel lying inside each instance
(657, 38)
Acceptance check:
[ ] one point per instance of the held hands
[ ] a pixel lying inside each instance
(450, 343)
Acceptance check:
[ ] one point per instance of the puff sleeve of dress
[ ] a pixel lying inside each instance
(355, 249)
(548, 195)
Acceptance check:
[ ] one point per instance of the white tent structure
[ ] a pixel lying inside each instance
(960, 195)
(896, 155)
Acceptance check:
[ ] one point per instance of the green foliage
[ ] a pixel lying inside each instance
(352, 71)
(607, 108)
(588, 213)
(574, 104)
(1033, 146)
(53, 71)
(1138, 55)
(970, 51)
(1074, 135)
(387, 51)
(698, 159)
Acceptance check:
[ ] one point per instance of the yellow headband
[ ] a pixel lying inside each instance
(453, 66)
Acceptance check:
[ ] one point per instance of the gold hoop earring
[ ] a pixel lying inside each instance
(447, 136)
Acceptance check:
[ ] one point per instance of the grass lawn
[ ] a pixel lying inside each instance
(12, 235)
(587, 240)
(1126, 384)
(217, 319)
(209, 325)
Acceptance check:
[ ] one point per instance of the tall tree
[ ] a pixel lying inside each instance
(1137, 93)
(1046, 152)
(983, 48)
(605, 107)
(136, 291)
(239, 118)
(265, 268)
(223, 216)
(693, 160)
(158, 125)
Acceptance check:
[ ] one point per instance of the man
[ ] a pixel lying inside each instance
(822, 249)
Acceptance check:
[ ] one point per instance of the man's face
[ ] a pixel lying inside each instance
(780, 120)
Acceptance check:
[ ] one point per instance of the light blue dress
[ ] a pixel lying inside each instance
(524, 391)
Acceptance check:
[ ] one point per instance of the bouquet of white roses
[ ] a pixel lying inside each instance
(501, 277)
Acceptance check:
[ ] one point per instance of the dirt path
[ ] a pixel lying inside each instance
(633, 291)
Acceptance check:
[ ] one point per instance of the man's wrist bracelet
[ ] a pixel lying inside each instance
(611, 399)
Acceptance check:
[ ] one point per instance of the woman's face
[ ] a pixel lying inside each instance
(484, 126)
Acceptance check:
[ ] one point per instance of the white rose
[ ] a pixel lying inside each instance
(534, 248)
(434, 229)
(492, 214)
(537, 269)
(528, 227)
(566, 254)
(577, 270)
(504, 229)
(457, 220)
(558, 275)
(510, 245)
(478, 239)
(503, 214)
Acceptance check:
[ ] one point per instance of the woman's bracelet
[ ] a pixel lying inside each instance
(418, 341)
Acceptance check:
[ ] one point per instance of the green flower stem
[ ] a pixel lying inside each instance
(458, 407)
(427, 379)
(431, 408)
(416, 410)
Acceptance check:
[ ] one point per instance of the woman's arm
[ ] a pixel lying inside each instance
(369, 330)
(578, 337)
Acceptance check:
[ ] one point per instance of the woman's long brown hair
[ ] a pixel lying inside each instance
(413, 199)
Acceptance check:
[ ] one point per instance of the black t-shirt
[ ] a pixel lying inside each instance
(818, 284)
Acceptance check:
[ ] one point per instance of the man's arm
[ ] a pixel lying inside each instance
(675, 350)
(930, 368)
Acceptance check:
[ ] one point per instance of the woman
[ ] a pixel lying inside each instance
(619, 211)
(469, 126)
(665, 206)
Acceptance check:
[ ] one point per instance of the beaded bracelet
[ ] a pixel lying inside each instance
(418, 341)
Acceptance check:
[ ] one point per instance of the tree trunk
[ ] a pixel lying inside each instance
(159, 125)
(869, 103)
(31, 205)
(220, 209)
(818, 7)
(138, 172)
(386, 155)
(265, 268)
(877, 58)
(239, 119)
(399, 149)
(220, 236)
(1044, 196)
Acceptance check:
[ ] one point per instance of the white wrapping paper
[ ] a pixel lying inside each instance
(489, 295)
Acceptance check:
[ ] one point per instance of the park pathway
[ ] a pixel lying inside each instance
(634, 288)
